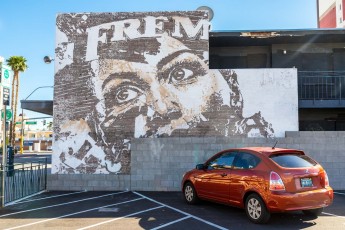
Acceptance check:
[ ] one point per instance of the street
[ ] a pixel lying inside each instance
(150, 210)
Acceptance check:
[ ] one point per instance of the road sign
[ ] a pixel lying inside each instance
(6, 75)
(6, 96)
(28, 143)
(8, 114)
(31, 122)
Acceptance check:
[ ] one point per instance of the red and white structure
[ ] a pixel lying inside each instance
(331, 13)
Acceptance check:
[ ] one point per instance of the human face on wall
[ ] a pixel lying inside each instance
(168, 91)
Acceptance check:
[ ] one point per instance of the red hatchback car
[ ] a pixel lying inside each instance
(261, 180)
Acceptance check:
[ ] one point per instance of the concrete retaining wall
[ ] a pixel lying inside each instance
(158, 164)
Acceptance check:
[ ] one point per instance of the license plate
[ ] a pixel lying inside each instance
(306, 182)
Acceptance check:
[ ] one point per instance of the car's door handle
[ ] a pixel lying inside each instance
(223, 174)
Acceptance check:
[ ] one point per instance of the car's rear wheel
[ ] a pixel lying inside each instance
(256, 209)
(313, 212)
(190, 194)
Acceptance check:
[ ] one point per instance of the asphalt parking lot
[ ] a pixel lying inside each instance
(149, 210)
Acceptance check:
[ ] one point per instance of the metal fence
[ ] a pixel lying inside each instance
(23, 180)
(319, 85)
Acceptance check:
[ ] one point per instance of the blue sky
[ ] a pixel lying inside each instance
(27, 27)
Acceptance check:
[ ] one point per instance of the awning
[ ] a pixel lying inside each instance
(39, 106)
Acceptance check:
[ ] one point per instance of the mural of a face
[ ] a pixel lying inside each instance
(168, 91)
(158, 86)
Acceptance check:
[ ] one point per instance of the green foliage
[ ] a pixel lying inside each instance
(17, 63)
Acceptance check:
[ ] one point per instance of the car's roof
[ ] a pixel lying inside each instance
(269, 150)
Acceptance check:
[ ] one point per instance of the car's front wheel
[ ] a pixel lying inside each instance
(190, 194)
(256, 209)
(313, 212)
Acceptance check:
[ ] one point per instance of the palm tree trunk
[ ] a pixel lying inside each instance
(15, 112)
(12, 105)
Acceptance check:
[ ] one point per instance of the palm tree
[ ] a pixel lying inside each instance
(18, 64)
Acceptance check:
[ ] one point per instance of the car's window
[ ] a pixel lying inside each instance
(223, 161)
(293, 160)
(246, 161)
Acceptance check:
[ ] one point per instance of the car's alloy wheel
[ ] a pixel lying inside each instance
(256, 209)
(189, 193)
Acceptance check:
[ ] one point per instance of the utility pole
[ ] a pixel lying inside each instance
(3, 148)
(6, 73)
(4, 158)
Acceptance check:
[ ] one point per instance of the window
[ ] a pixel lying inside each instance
(246, 161)
(293, 160)
(223, 161)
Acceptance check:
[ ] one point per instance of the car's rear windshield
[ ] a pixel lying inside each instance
(293, 160)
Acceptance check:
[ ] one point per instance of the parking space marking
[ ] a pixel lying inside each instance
(119, 218)
(24, 198)
(55, 205)
(44, 198)
(339, 193)
(330, 214)
(180, 211)
(71, 214)
(172, 222)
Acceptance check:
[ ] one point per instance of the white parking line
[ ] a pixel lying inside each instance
(180, 211)
(23, 198)
(330, 214)
(55, 205)
(108, 221)
(72, 214)
(172, 222)
(49, 197)
(339, 193)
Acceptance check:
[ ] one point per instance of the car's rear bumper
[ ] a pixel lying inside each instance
(281, 202)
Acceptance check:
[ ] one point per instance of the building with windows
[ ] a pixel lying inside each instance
(142, 97)
(34, 138)
(317, 55)
(331, 13)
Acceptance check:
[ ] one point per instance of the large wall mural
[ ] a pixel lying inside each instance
(140, 75)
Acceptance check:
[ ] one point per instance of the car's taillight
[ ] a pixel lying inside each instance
(324, 179)
(276, 183)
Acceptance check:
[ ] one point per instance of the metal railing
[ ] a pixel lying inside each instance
(23, 180)
(321, 85)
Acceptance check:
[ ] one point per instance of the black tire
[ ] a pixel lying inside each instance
(189, 193)
(313, 212)
(256, 209)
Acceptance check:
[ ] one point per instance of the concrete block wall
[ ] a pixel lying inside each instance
(88, 182)
(158, 164)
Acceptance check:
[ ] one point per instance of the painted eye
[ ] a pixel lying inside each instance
(180, 74)
(126, 94)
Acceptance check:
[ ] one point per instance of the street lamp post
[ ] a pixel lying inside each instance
(22, 128)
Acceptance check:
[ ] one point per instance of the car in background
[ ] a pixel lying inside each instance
(262, 180)
(50, 148)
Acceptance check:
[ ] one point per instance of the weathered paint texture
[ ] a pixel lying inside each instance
(141, 75)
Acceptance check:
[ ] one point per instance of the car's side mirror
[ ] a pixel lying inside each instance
(200, 166)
